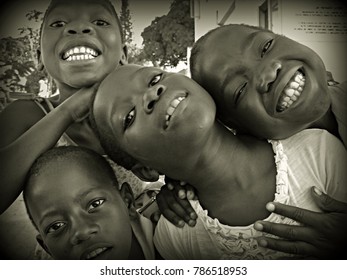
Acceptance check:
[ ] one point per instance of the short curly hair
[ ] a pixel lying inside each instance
(71, 154)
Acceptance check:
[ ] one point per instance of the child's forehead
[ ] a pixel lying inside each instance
(232, 40)
(128, 72)
(59, 6)
(235, 33)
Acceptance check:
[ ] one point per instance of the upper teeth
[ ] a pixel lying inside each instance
(96, 252)
(173, 105)
(80, 53)
(291, 92)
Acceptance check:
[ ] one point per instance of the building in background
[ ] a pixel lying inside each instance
(319, 24)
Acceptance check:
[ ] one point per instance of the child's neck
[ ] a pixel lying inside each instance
(234, 174)
(65, 92)
(136, 251)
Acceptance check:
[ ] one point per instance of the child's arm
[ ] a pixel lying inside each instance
(26, 133)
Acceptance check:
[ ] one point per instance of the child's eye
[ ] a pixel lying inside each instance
(155, 80)
(129, 119)
(239, 92)
(266, 47)
(58, 23)
(55, 227)
(100, 22)
(95, 204)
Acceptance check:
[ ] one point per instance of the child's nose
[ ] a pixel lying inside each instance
(82, 230)
(151, 96)
(78, 28)
(268, 75)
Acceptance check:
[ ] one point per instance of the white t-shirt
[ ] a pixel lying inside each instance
(312, 157)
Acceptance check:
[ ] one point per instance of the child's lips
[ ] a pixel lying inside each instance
(80, 53)
(96, 252)
(172, 108)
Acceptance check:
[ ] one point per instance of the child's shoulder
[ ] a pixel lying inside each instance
(18, 116)
(339, 88)
(311, 134)
(313, 138)
(25, 110)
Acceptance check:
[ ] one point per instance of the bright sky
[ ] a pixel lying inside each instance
(12, 14)
(144, 12)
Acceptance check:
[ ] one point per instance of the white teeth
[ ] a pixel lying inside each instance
(173, 105)
(291, 92)
(298, 78)
(170, 110)
(294, 85)
(96, 252)
(80, 53)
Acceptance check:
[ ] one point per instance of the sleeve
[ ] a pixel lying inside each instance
(335, 159)
(326, 156)
(338, 95)
(169, 240)
(316, 158)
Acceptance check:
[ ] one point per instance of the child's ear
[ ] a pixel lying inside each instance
(124, 56)
(145, 173)
(127, 194)
(129, 200)
(40, 66)
(42, 244)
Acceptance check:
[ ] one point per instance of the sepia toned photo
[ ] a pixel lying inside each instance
(173, 130)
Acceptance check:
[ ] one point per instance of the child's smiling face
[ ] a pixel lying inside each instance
(264, 84)
(155, 116)
(80, 42)
(79, 213)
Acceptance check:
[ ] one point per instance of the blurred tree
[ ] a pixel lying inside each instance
(18, 61)
(167, 38)
(134, 52)
(126, 24)
(32, 34)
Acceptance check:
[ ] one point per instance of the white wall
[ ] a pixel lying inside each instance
(321, 25)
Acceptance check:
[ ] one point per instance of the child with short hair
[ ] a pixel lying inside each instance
(165, 123)
(81, 42)
(74, 200)
(267, 85)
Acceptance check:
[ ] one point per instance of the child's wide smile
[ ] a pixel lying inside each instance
(291, 91)
(172, 108)
(153, 112)
(275, 82)
(80, 43)
(80, 53)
